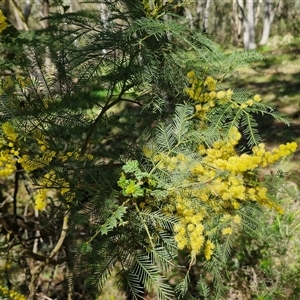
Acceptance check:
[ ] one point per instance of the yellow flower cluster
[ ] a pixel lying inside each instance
(52, 181)
(10, 155)
(10, 294)
(9, 132)
(153, 8)
(208, 251)
(7, 162)
(206, 95)
(227, 231)
(189, 231)
(219, 182)
(229, 174)
(167, 162)
(38, 161)
(40, 199)
(247, 103)
(204, 92)
(3, 23)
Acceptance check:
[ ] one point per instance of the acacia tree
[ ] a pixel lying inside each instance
(127, 189)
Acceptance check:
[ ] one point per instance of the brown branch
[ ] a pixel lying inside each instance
(105, 108)
(55, 250)
(39, 257)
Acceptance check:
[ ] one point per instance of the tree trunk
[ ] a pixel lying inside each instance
(199, 13)
(206, 16)
(247, 11)
(269, 14)
(236, 22)
(257, 12)
(189, 16)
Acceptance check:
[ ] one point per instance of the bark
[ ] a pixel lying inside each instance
(247, 10)
(199, 13)
(257, 12)
(269, 14)
(236, 23)
(206, 16)
(27, 10)
(249, 41)
(189, 16)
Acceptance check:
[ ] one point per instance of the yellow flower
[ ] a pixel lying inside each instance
(197, 169)
(221, 94)
(147, 151)
(182, 243)
(257, 98)
(262, 192)
(43, 148)
(65, 188)
(250, 102)
(211, 83)
(9, 131)
(3, 23)
(41, 199)
(208, 251)
(234, 134)
(227, 231)
(191, 74)
(198, 107)
(196, 242)
(191, 227)
(229, 94)
(292, 146)
(237, 219)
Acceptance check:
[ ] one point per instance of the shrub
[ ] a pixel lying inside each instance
(162, 173)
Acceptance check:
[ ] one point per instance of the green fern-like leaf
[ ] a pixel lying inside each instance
(182, 287)
(148, 273)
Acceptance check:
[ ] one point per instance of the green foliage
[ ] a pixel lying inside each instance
(117, 196)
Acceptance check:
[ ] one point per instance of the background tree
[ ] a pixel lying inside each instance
(242, 19)
(270, 9)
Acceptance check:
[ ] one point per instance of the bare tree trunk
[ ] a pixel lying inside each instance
(269, 14)
(199, 13)
(247, 9)
(27, 10)
(189, 16)
(250, 43)
(236, 23)
(257, 12)
(206, 16)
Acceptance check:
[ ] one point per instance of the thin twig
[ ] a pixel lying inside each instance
(55, 250)
(17, 177)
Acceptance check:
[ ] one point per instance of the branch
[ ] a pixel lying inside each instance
(105, 108)
(39, 257)
(55, 250)
(17, 177)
